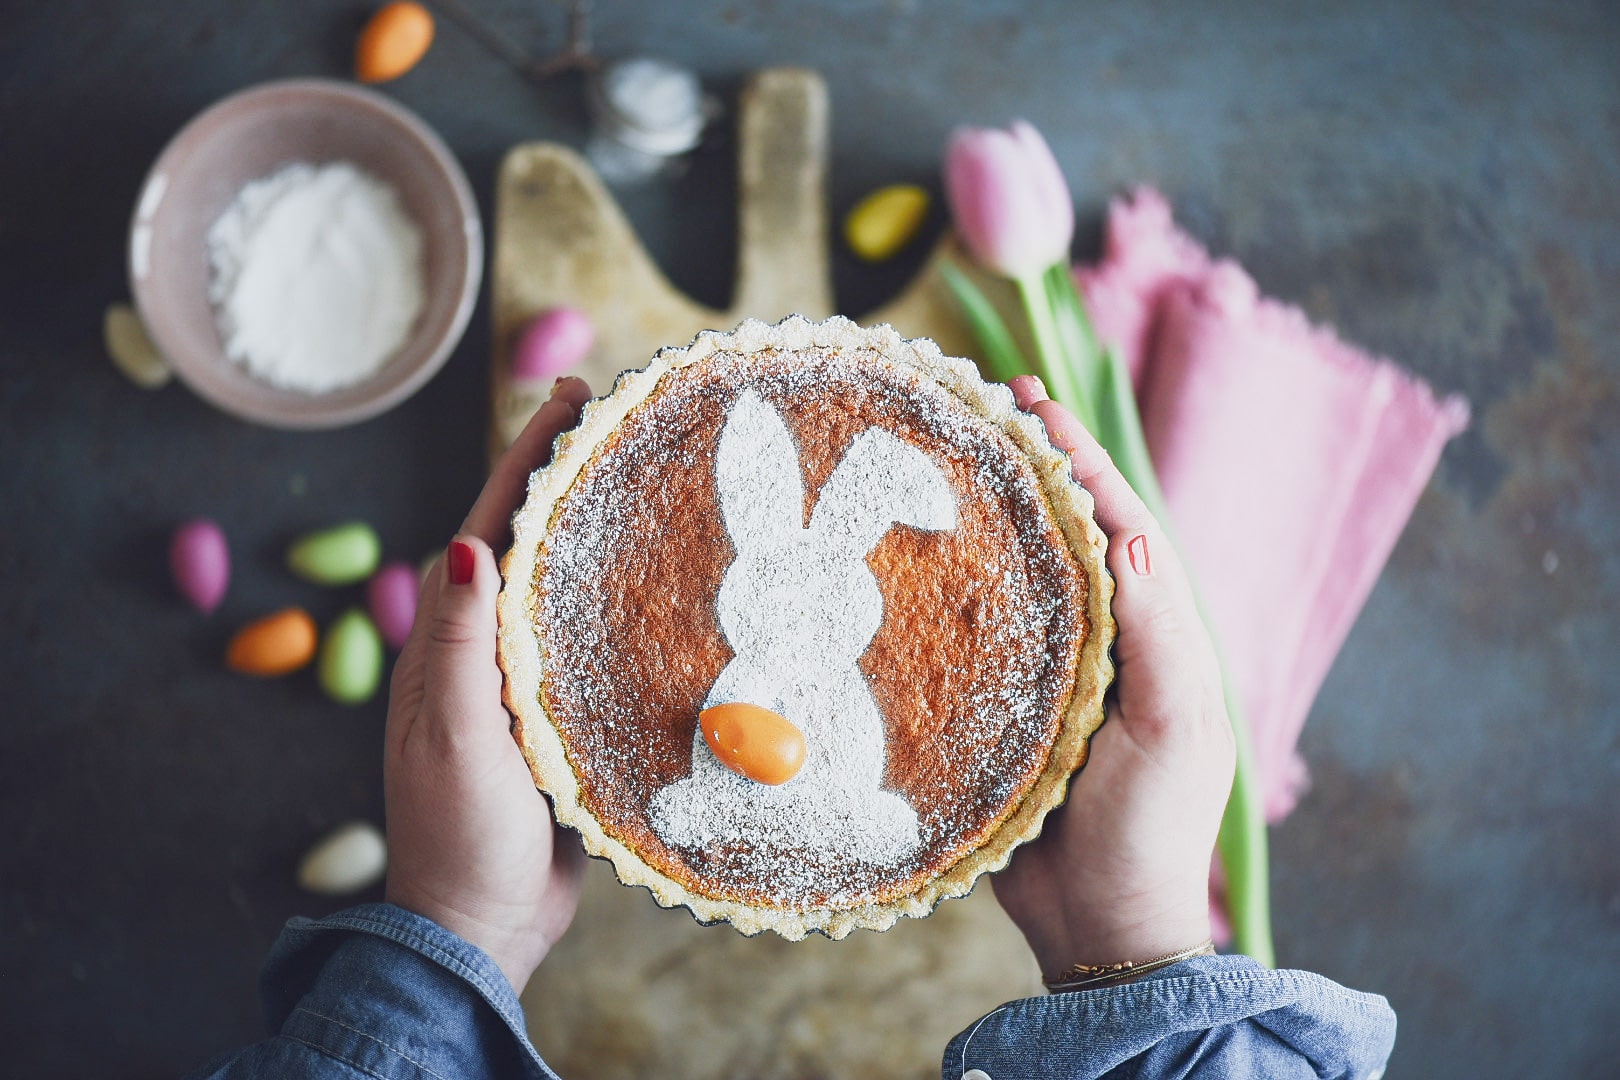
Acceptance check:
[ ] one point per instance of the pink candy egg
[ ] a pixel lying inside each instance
(200, 563)
(552, 344)
(391, 596)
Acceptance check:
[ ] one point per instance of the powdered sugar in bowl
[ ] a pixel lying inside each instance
(333, 161)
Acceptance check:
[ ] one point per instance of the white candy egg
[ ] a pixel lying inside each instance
(350, 858)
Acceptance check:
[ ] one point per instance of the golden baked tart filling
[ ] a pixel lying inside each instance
(805, 627)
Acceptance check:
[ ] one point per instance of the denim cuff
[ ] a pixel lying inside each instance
(1210, 1015)
(395, 996)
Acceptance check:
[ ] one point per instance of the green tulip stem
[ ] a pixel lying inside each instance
(1061, 378)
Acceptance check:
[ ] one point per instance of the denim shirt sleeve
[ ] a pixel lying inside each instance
(378, 992)
(1209, 1016)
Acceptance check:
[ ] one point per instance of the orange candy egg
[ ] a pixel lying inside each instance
(753, 742)
(275, 645)
(392, 42)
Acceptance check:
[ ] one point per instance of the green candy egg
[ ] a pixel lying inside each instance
(341, 555)
(350, 667)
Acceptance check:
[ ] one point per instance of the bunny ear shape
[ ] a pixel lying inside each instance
(757, 472)
(881, 481)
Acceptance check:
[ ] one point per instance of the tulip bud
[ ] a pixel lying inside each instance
(1009, 199)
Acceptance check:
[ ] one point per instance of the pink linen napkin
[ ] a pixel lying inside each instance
(1290, 461)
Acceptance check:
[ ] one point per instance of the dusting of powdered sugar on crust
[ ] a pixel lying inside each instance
(1025, 615)
(799, 605)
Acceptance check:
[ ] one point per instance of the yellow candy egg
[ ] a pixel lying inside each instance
(753, 742)
(885, 221)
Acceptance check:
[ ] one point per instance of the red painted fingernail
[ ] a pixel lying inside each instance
(461, 560)
(1137, 551)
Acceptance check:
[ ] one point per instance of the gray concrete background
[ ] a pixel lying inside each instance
(1440, 181)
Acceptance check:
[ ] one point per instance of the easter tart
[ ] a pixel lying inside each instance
(805, 627)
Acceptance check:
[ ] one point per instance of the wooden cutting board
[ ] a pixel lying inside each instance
(634, 989)
(560, 238)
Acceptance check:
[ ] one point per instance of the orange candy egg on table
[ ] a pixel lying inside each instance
(757, 743)
(393, 41)
(274, 645)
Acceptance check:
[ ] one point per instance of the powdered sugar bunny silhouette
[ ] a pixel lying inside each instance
(798, 607)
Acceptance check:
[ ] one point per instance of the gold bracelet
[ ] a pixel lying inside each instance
(1095, 976)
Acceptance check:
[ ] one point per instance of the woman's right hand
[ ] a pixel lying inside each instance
(1121, 870)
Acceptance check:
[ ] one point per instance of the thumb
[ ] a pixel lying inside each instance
(1169, 681)
(462, 680)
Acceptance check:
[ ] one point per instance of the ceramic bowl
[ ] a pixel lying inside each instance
(250, 135)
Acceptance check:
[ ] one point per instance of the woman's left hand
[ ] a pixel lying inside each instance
(472, 843)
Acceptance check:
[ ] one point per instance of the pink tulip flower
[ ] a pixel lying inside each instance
(1009, 199)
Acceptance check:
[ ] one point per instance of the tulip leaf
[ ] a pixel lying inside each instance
(1002, 358)
(1074, 329)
